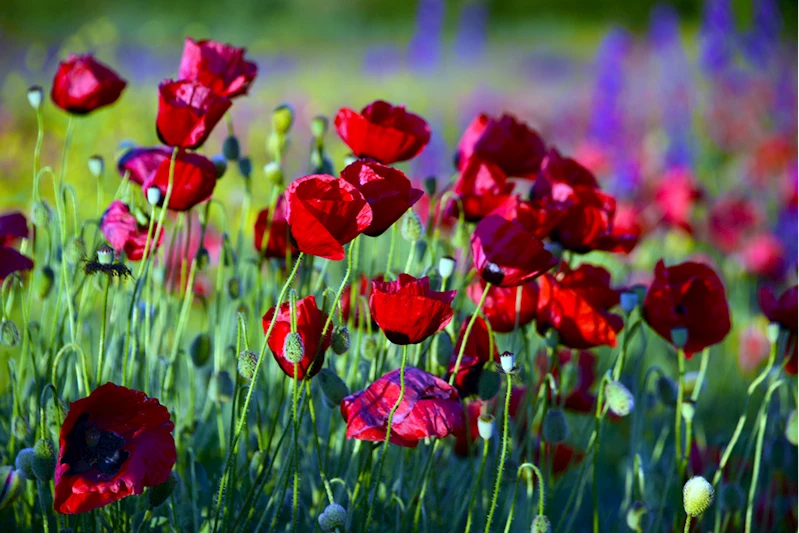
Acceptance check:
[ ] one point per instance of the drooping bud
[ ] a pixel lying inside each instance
(282, 118)
(340, 340)
(541, 525)
(248, 360)
(430, 185)
(697, 496)
(44, 460)
(628, 301)
(160, 493)
(319, 126)
(75, 250)
(96, 166)
(200, 349)
(485, 426)
(619, 399)
(35, 96)
(333, 387)
(274, 173)
(555, 427)
(636, 516)
(732, 497)
(411, 228)
(293, 348)
(679, 337)
(508, 361)
(369, 347)
(666, 390)
(333, 517)
(24, 462)
(222, 387)
(230, 148)
(41, 214)
(220, 163)
(11, 484)
(154, 196)
(245, 166)
(792, 429)
(9, 333)
(446, 266)
(488, 384)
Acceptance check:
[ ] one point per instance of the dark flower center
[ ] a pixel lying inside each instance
(680, 310)
(89, 448)
(493, 274)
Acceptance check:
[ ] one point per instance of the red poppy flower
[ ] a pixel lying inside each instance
(220, 67)
(324, 214)
(193, 183)
(140, 163)
(476, 353)
(575, 303)
(113, 443)
(83, 84)
(579, 398)
(732, 218)
(187, 113)
(13, 226)
(362, 291)
(690, 296)
(429, 408)
(125, 233)
(675, 195)
(382, 132)
(278, 234)
(407, 310)
(501, 304)
(507, 142)
(784, 312)
(474, 409)
(310, 321)
(538, 216)
(481, 187)
(386, 189)
(506, 255)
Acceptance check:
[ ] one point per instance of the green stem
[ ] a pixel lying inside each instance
(468, 331)
(296, 420)
(476, 486)
(687, 527)
(101, 353)
(678, 448)
(541, 493)
(503, 444)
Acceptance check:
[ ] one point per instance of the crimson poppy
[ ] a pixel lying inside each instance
(507, 255)
(362, 291)
(219, 66)
(407, 310)
(476, 353)
(278, 242)
(502, 303)
(13, 226)
(324, 214)
(140, 162)
(689, 296)
(507, 142)
(576, 304)
(386, 189)
(482, 187)
(383, 132)
(83, 84)
(537, 216)
(784, 312)
(430, 408)
(187, 113)
(124, 232)
(730, 220)
(113, 443)
(675, 195)
(193, 182)
(310, 321)
(579, 397)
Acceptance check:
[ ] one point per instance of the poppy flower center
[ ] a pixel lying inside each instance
(89, 448)
(493, 274)
(680, 310)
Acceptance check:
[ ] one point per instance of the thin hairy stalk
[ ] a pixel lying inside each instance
(466, 334)
(503, 448)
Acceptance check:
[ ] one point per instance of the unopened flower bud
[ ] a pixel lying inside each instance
(791, 428)
(274, 173)
(105, 255)
(319, 126)
(430, 185)
(485, 426)
(75, 250)
(619, 399)
(282, 118)
(679, 337)
(293, 348)
(230, 148)
(44, 459)
(333, 517)
(35, 96)
(697, 496)
(446, 266)
(732, 497)
(248, 360)
(773, 332)
(488, 384)
(160, 493)
(411, 228)
(203, 258)
(12, 482)
(96, 166)
(369, 347)
(688, 409)
(508, 362)
(333, 387)
(234, 287)
(222, 387)
(245, 166)
(340, 340)
(24, 462)
(200, 349)
(555, 427)
(628, 301)
(220, 163)
(9, 333)
(541, 525)
(154, 196)
(41, 214)
(636, 516)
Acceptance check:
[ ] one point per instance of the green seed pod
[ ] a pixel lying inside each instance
(9, 333)
(105, 255)
(369, 347)
(679, 337)
(245, 166)
(160, 493)
(430, 185)
(333, 387)
(637, 516)
(12, 482)
(20, 428)
(319, 126)
(697, 496)
(340, 340)
(773, 332)
(293, 348)
(334, 516)
(282, 118)
(220, 163)
(55, 411)
(274, 173)
(446, 266)
(96, 166)
(555, 427)
(24, 462)
(203, 259)
(222, 387)
(200, 349)
(234, 287)
(733, 497)
(35, 96)
(488, 385)
(411, 228)
(41, 214)
(75, 250)
(541, 525)
(247, 363)
(791, 428)
(667, 390)
(44, 460)
(231, 149)
(619, 399)
(276, 145)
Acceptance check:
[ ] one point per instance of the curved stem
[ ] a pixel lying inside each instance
(503, 447)
(541, 492)
(467, 332)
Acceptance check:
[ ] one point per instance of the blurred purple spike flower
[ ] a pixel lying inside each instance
(381, 60)
(763, 38)
(471, 36)
(424, 49)
(718, 34)
(435, 159)
(606, 120)
(785, 102)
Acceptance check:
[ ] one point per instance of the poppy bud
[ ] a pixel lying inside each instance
(334, 516)
(488, 385)
(333, 387)
(24, 462)
(231, 149)
(44, 459)
(20, 428)
(697, 496)
(340, 341)
(282, 118)
(319, 126)
(688, 410)
(667, 390)
(430, 185)
(105, 255)
(411, 228)
(9, 333)
(636, 516)
(274, 173)
(41, 214)
(446, 266)
(154, 196)
(541, 525)
(619, 398)
(628, 301)
(203, 258)
(200, 349)
(234, 287)
(679, 337)
(35, 96)
(773, 332)
(75, 250)
(732, 497)
(369, 347)
(220, 163)
(222, 387)
(555, 427)
(508, 362)
(293, 348)
(160, 493)
(245, 167)
(11, 483)
(443, 345)
(247, 362)
(96, 165)
(791, 429)
(485, 426)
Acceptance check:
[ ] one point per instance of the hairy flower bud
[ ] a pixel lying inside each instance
(75, 250)
(203, 258)
(44, 460)
(160, 493)
(555, 427)
(485, 426)
(334, 516)
(9, 333)
(430, 185)
(231, 149)
(200, 349)
(697, 496)
(541, 525)
(340, 340)
(293, 348)
(234, 287)
(619, 399)
(20, 428)
(96, 165)
(24, 462)
(411, 228)
(41, 214)
(247, 363)
(333, 387)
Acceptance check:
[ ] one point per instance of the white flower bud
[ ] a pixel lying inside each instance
(485, 426)
(508, 362)
(446, 266)
(154, 196)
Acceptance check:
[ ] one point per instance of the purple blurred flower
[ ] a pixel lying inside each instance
(424, 49)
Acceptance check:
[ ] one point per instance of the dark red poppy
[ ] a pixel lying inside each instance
(324, 214)
(220, 67)
(382, 132)
(576, 304)
(83, 84)
(13, 226)
(474, 409)
(784, 312)
(501, 304)
(407, 310)
(141, 162)
(113, 444)
(675, 195)
(538, 216)
(310, 321)
(506, 255)
(507, 142)
(690, 296)
(124, 232)
(731, 219)
(278, 234)
(193, 183)
(363, 291)
(187, 113)
(579, 398)
(430, 408)
(476, 353)
(386, 189)
(481, 187)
